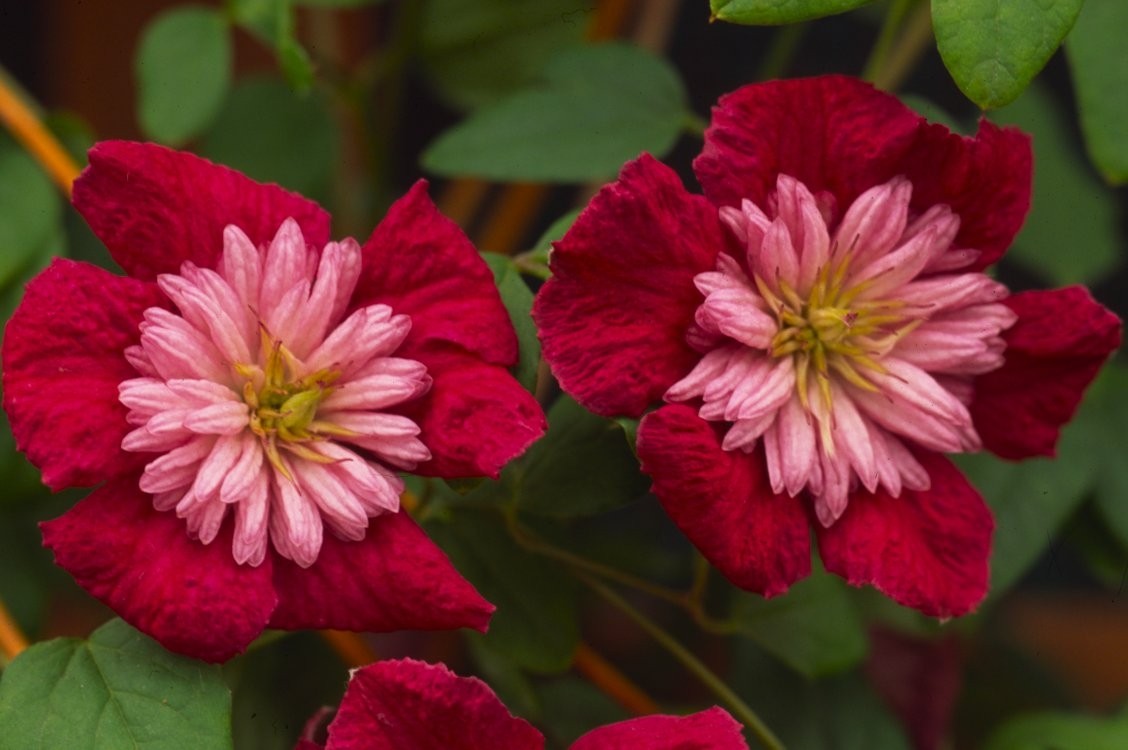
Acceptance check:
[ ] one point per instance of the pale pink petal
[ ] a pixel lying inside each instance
(339, 507)
(295, 526)
(241, 265)
(800, 212)
(177, 468)
(285, 266)
(874, 222)
(249, 543)
(377, 391)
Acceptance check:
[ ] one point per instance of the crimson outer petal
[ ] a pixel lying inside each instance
(395, 705)
(722, 501)
(192, 598)
(63, 362)
(927, 550)
(613, 318)
(712, 729)
(1054, 351)
(841, 135)
(475, 418)
(420, 263)
(393, 579)
(155, 207)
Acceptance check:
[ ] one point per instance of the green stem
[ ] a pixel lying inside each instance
(891, 27)
(527, 540)
(388, 99)
(914, 40)
(717, 686)
(694, 124)
(785, 44)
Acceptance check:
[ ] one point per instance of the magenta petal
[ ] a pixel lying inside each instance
(832, 133)
(1054, 351)
(475, 419)
(393, 579)
(986, 180)
(411, 705)
(927, 550)
(420, 263)
(713, 729)
(723, 503)
(155, 208)
(838, 134)
(62, 365)
(614, 316)
(192, 598)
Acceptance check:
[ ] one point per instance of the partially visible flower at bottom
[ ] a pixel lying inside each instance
(397, 704)
(247, 397)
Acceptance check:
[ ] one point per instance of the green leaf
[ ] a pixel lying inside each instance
(1071, 209)
(597, 108)
(518, 301)
(117, 690)
(814, 628)
(183, 69)
(30, 214)
(258, 127)
(268, 717)
(477, 51)
(512, 686)
(835, 713)
(777, 12)
(582, 466)
(1102, 421)
(1100, 76)
(994, 48)
(572, 707)
(1030, 500)
(555, 231)
(535, 623)
(1060, 731)
(272, 22)
(336, 3)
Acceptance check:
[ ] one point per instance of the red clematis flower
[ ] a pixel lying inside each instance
(246, 397)
(411, 704)
(821, 332)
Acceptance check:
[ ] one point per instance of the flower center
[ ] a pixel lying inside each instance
(832, 333)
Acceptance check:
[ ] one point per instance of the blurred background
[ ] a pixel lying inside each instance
(349, 106)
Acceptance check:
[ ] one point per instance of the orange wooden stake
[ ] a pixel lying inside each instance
(352, 648)
(612, 682)
(12, 639)
(36, 138)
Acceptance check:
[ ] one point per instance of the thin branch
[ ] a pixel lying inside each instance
(715, 684)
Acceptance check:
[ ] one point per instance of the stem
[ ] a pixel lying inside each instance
(601, 673)
(885, 38)
(12, 639)
(18, 116)
(743, 712)
(913, 43)
(389, 96)
(527, 540)
(785, 43)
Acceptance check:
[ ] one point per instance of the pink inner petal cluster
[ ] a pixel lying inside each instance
(839, 342)
(263, 397)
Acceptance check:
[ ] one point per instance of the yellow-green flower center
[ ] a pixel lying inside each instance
(284, 405)
(832, 330)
